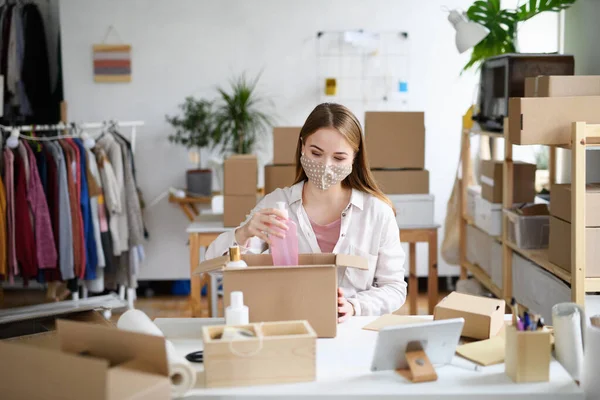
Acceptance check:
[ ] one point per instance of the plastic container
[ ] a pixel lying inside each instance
(285, 251)
(237, 313)
(235, 258)
(528, 232)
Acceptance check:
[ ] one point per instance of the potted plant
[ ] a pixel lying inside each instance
(503, 23)
(196, 128)
(240, 116)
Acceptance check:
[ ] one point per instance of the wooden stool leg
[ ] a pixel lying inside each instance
(195, 280)
(432, 277)
(413, 283)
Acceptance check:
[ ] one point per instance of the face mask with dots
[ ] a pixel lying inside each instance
(323, 176)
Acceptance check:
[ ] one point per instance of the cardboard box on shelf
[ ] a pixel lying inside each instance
(395, 139)
(402, 181)
(559, 250)
(283, 352)
(288, 287)
(236, 208)
(562, 86)
(523, 186)
(279, 177)
(413, 209)
(488, 216)
(91, 362)
(484, 317)
(549, 120)
(240, 175)
(560, 203)
(285, 143)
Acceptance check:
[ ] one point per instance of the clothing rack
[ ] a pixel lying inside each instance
(80, 127)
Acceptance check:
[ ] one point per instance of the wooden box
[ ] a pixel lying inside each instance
(281, 352)
(527, 356)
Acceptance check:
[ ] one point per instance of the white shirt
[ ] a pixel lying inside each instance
(369, 229)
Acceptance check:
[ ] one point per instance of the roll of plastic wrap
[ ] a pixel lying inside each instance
(181, 371)
(568, 320)
(591, 360)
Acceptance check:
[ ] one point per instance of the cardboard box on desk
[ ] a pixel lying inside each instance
(562, 86)
(549, 120)
(304, 292)
(279, 177)
(236, 208)
(282, 352)
(395, 139)
(484, 317)
(92, 362)
(523, 186)
(240, 175)
(285, 143)
(401, 181)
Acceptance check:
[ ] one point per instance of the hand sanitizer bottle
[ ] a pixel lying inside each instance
(237, 312)
(235, 259)
(285, 251)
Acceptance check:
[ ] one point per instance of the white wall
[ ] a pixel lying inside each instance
(185, 47)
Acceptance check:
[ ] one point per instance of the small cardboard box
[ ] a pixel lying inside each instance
(560, 203)
(240, 175)
(279, 177)
(527, 357)
(395, 139)
(304, 292)
(523, 186)
(281, 352)
(402, 181)
(484, 317)
(549, 120)
(92, 362)
(559, 247)
(236, 208)
(562, 86)
(414, 209)
(285, 143)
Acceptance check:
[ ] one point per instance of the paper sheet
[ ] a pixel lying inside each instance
(393, 320)
(484, 352)
(591, 360)
(181, 371)
(569, 321)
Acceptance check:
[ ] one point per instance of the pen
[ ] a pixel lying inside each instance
(515, 313)
(534, 322)
(526, 321)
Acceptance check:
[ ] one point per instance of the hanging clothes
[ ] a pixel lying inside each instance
(95, 190)
(49, 177)
(25, 244)
(45, 248)
(112, 197)
(10, 213)
(3, 233)
(65, 224)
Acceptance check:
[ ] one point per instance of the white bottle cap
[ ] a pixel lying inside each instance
(237, 300)
(282, 205)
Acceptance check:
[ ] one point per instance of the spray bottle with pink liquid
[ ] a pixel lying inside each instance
(285, 251)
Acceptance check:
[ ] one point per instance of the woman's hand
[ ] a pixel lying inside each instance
(345, 308)
(262, 225)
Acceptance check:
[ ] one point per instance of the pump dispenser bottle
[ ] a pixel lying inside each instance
(235, 259)
(285, 251)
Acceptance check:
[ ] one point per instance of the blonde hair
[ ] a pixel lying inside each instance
(338, 117)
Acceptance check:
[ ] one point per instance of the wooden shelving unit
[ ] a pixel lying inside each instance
(583, 136)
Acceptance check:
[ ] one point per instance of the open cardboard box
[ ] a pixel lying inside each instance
(92, 362)
(280, 352)
(304, 292)
(484, 317)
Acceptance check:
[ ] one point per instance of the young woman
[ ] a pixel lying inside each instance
(337, 208)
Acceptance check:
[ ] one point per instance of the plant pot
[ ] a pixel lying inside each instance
(199, 182)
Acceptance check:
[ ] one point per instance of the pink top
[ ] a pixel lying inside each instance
(327, 235)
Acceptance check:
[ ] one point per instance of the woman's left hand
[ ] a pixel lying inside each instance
(345, 308)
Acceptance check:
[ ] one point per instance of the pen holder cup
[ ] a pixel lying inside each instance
(527, 357)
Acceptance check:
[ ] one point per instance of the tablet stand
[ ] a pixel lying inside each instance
(420, 368)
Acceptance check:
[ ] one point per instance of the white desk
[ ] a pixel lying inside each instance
(204, 230)
(343, 370)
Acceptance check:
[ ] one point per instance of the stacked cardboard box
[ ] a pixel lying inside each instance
(240, 181)
(282, 172)
(395, 144)
(559, 251)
